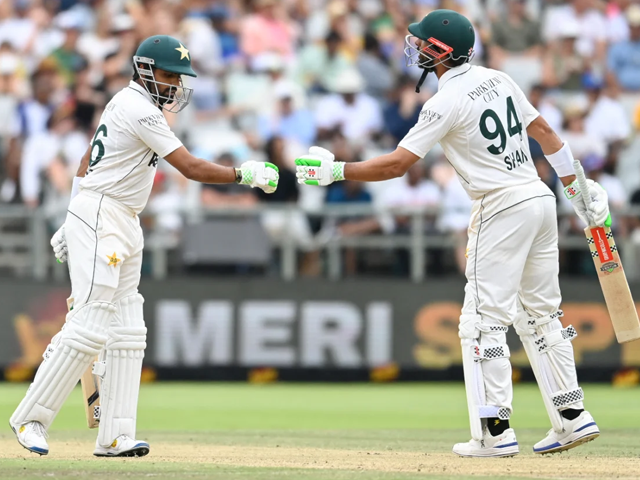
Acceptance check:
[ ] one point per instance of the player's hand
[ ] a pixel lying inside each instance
(319, 168)
(263, 175)
(594, 210)
(59, 244)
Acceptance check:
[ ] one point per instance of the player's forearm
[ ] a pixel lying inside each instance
(206, 172)
(384, 167)
(558, 154)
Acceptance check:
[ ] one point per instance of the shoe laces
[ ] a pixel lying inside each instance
(38, 428)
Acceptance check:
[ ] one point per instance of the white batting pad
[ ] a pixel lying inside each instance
(550, 353)
(487, 371)
(121, 383)
(66, 358)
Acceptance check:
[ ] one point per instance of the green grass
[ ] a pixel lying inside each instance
(394, 418)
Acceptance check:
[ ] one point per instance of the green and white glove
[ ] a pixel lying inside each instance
(263, 175)
(319, 168)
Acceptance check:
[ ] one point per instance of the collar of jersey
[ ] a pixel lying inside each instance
(452, 72)
(143, 91)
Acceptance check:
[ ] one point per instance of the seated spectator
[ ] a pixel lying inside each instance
(319, 64)
(591, 33)
(287, 121)
(623, 61)
(67, 58)
(57, 163)
(404, 110)
(607, 118)
(548, 110)
(227, 28)
(415, 190)
(514, 34)
(574, 133)
(267, 30)
(371, 63)
(563, 66)
(280, 224)
(228, 194)
(349, 111)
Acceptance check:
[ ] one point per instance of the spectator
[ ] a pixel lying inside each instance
(404, 110)
(267, 30)
(562, 66)
(320, 64)
(229, 194)
(348, 111)
(227, 28)
(66, 58)
(415, 190)
(279, 223)
(65, 146)
(288, 122)
(373, 66)
(515, 34)
(607, 118)
(624, 57)
(582, 144)
(552, 114)
(591, 33)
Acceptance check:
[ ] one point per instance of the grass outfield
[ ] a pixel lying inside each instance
(318, 431)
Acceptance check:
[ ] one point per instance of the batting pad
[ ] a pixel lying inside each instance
(487, 371)
(121, 383)
(550, 353)
(66, 358)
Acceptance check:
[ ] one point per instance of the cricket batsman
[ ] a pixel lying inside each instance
(103, 242)
(482, 119)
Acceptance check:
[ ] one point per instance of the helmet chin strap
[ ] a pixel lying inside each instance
(423, 77)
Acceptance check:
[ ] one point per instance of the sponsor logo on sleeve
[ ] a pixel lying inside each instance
(429, 116)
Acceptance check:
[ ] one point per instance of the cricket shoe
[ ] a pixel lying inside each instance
(123, 446)
(32, 436)
(503, 445)
(580, 430)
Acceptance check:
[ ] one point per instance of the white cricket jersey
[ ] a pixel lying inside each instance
(480, 117)
(132, 135)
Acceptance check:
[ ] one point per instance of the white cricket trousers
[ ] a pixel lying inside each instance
(512, 256)
(105, 245)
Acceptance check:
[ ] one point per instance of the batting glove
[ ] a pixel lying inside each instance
(595, 210)
(59, 244)
(319, 168)
(263, 175)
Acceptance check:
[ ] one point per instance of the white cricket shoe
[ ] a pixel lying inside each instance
(503, 445)
(123, 446)
(32, 436)
(580, 430)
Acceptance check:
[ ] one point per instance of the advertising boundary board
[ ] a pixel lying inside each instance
(262, 329)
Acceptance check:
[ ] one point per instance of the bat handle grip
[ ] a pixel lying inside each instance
(584, 188)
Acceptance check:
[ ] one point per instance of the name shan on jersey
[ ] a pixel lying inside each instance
(515, 159)
(486, 90)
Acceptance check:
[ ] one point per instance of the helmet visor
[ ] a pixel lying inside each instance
(172, 98)
(430, 53)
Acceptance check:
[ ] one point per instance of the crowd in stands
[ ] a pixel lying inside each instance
(277, 76)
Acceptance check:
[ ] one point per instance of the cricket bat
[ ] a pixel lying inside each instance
(615, 288)
(91, 394)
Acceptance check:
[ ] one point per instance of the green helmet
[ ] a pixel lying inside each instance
(448, 36)
(169, 54)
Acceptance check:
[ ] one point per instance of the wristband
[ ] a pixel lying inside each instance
(75, 187)
(337, 170)
(562, 161)
(238, 175)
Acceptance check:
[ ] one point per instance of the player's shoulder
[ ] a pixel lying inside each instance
(133, 101)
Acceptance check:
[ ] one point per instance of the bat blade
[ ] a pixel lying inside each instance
(615, 288)
(91, 396)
